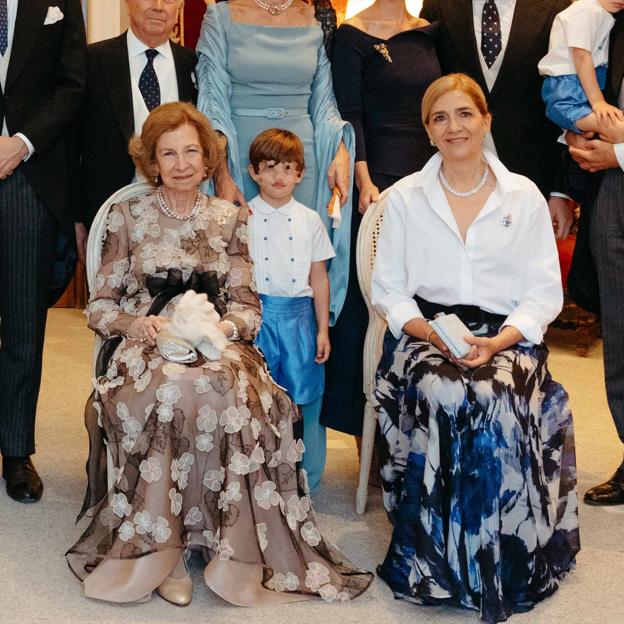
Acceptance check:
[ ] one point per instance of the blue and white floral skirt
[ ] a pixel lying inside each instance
(479, 478)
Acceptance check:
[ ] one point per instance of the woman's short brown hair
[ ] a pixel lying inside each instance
(165, 118)
(448, 83)
(281, 146)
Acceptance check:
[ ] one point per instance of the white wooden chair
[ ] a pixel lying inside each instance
(373, 344)
(94, 257)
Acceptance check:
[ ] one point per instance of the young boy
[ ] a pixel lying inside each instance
(289, 246)
(576, 68)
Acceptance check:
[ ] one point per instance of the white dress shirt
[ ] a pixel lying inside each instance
(164, 66)
(585, 24)
(283, 243)
(4, 68)
(508, 264)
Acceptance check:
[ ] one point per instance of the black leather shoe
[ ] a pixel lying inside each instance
(22, 481)
(610, 492)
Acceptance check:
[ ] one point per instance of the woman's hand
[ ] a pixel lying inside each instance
(145, 328)
(487, 348)
(368, 194)
(420, 329)
(481, 351)
(338, 173)
(226, 188)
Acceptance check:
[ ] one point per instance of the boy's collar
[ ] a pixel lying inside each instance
(263, 208)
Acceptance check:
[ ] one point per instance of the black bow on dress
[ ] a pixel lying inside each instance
(164, 289)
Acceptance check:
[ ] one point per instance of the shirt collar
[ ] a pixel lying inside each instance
(266, 209)
(136, 47)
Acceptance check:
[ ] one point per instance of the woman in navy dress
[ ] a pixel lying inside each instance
(383, 61)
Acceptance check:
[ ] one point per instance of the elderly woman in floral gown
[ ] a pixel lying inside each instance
(203, 455)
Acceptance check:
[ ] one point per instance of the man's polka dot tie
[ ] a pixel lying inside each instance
(4, 27)
(148, 82)
(490, 33)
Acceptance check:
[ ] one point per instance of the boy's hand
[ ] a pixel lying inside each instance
(606, 114)
(323, 348)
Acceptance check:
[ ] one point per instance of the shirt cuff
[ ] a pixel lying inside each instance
(618, 148)
(557, 194)
(29, 145)
(525, 324)
(400, 314)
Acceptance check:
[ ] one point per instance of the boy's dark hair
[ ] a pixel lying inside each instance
(281, 146)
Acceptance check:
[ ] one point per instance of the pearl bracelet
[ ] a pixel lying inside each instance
(235, 334)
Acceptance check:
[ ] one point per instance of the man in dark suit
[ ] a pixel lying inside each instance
(42, 75)
(123, 75)
(596, 278)
(499, 44)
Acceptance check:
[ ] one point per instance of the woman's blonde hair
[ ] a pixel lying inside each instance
(448, 83)
(165, 118)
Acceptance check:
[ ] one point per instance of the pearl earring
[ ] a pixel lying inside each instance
(432, 142)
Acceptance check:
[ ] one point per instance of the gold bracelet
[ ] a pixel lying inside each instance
(429, 335)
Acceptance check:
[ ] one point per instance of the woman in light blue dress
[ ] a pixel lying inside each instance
(263, 65)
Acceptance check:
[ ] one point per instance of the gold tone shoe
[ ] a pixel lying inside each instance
(177, 591)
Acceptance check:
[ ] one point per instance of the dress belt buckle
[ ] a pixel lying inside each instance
(275, 113)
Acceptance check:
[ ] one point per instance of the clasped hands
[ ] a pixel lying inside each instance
(482, 349)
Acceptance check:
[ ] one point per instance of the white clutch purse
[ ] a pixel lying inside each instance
(452, 330)
(175, 349)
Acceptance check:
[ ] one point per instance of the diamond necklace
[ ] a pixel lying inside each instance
(472, 191)
(273, 9)
(162, 204)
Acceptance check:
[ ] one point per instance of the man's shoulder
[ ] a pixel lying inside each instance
(107, 46)
(187, 55)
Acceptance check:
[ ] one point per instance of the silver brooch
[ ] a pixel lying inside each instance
(506, 220)
(382, 48)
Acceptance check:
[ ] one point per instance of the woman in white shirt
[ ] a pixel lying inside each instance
(480, 474)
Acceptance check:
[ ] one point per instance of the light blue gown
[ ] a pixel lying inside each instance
(252, 78)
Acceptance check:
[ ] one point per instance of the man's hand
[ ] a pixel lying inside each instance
(594, 155)
(562, 215)
(12, 152)
(81, 242)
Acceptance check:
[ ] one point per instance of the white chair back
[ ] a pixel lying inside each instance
(366, 251)
(96, 239)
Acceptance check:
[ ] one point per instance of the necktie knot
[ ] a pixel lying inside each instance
(150, 53)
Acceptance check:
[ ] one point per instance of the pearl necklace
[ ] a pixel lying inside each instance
(162, 204)
(472, 191)
(273, 9)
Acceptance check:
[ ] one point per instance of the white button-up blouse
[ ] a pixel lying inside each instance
(283, 244)
(508, 264)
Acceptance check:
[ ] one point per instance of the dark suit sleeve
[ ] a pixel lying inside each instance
(52, 116)
(430, 11)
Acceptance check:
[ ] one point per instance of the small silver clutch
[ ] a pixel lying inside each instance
(175, 349)
(452, 333)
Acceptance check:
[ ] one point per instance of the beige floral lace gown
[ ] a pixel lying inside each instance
(203, 455)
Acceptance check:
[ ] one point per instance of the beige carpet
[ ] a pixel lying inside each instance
(36, 585)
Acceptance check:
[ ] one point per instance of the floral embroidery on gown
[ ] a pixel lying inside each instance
(203, 455)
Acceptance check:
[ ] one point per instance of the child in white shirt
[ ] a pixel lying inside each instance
(575, 68)
(289, 246)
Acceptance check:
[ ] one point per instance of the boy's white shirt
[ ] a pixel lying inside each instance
(585, 24)
(283, 243)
